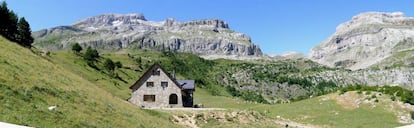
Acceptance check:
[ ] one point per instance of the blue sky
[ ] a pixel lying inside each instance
(277, 26)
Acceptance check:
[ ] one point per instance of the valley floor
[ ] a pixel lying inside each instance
(351, 109)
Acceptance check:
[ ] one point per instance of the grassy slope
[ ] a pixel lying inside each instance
(89, 97)
(320, 112)
(29, 84)
(396, 60)
(312, 111)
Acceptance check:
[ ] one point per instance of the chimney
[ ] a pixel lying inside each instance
(173, 74)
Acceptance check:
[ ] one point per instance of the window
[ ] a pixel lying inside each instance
(164, 84)
(156, 72)
(150, 84)
(149, 98)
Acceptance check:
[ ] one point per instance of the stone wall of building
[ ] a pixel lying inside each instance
(162, 94)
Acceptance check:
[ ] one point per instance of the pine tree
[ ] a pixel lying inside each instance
(91, 55)
(76, 48)
(24, 33)
(109, 65)
(4, 16)
(12, 26)
(8, 22)
(118, 64)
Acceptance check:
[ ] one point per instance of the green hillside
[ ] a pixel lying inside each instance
(95, 97)
(30, 83)
(211, 93)
(332, 110)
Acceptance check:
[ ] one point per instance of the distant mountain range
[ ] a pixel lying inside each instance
(211, 37)
(367, 40)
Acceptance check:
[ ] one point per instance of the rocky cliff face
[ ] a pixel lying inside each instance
(117, 31)
(365, 40)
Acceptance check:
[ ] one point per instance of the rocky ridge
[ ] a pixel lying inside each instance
(365, 40)
(121, 31)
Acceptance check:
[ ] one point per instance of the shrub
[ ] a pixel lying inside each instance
(233, 91)
(214, 90)
(76, 48)
(91, 55)
(118, 64)
(412, 115)
(393, 98)
(109, 65)
(253, 96)
(342, 91)
(409, 98)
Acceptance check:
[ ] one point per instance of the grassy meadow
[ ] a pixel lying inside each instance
(30, 83)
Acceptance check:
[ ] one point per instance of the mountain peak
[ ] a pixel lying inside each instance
(379, 15)
(217, 23)
(111, 19)
(133, 31)
(367, 39)
(376, 18)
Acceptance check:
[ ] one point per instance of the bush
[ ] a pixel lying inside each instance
(233, 91)
(253, 96)
(91, 55)
(342, 91)
(412, 115)
(214, 90)
(246, 95)
(302, 82)
(76, 48)
(409, 98)
(118, 64)
(109, 65)
(393, 98)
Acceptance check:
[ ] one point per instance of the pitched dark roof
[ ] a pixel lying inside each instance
(148, 73)
(186, 84)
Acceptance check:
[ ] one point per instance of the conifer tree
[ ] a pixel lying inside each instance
(24, 33)
(109, 65)
(8, 22)
(76, 48)
(91, 55)
(4, 16)
(13, 28)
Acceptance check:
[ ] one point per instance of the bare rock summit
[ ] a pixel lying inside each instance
(208, 37)
(365, 40)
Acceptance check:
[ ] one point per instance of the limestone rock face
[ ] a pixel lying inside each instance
(365, 40)
(133, 31)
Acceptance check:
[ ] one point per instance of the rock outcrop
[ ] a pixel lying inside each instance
(133, 31)
(366, 40)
